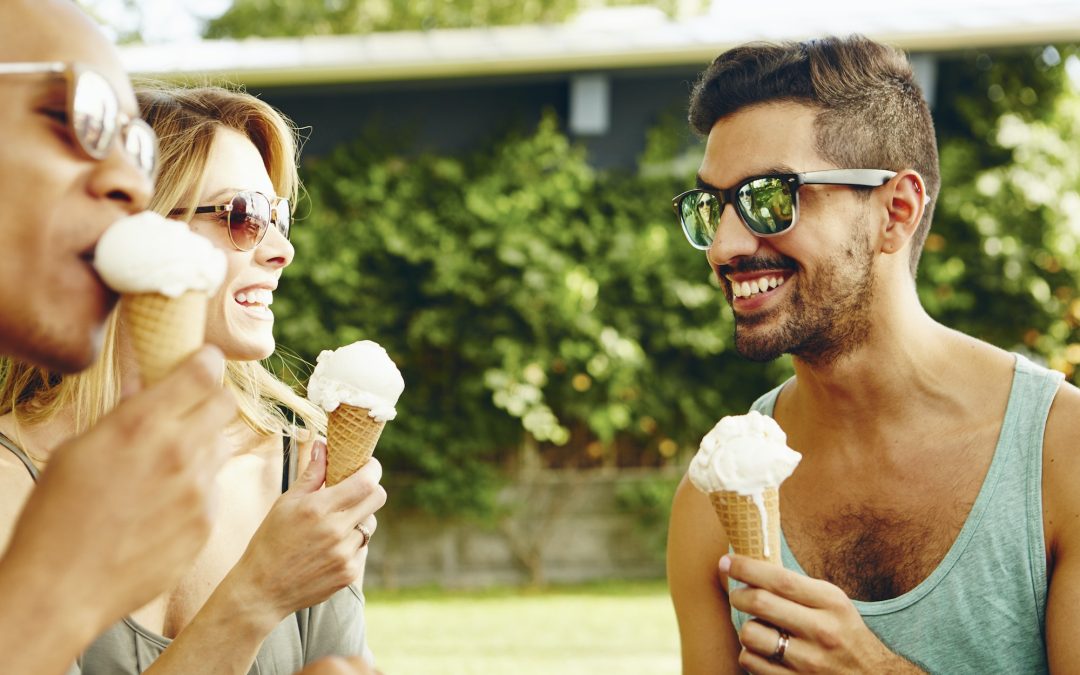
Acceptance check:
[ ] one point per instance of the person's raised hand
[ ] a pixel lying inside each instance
(309, 546)
(802, 625)
(128, 505)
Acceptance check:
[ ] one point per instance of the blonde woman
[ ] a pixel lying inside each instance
(278, 584)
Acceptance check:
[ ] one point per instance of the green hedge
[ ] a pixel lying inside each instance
(520, 292)
(525, 294)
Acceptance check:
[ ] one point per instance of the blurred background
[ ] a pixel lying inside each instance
(488, 196)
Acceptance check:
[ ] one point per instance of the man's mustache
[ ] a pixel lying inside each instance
(760, 264)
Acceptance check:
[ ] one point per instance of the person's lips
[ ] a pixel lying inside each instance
(749, 292)
(256, 299)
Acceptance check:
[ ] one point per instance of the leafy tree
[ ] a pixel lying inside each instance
(1001, 262)
(524, 296)
(534, 302)
(278, 18)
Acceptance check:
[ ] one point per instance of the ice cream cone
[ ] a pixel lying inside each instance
(741, 520)
(351, 435)
(163, 330)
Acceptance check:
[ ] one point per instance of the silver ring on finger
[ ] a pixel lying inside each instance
(782, 640)
(366, 533)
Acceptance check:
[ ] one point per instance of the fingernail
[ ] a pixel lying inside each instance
(316, 448)
(725, 564)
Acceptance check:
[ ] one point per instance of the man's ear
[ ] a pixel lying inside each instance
(905, 201)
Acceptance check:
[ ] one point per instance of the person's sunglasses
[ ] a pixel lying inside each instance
(250, 214)
(767, 205)
(93, 116)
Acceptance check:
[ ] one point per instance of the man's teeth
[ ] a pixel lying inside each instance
(745, 289)
(259, 296)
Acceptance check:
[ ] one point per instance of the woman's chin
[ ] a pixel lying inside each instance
(244, 350)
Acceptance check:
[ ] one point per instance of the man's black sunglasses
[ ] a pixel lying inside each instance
(767, 205)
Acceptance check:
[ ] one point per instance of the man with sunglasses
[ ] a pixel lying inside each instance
(122, 510)
(934, 521)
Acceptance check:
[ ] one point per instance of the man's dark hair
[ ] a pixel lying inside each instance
(870, 111)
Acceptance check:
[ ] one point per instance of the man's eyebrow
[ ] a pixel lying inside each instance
(49, 91)
(768, 171)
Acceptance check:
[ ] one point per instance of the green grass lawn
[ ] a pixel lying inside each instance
(625, 628)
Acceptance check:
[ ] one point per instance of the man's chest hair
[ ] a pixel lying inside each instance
(875, 553)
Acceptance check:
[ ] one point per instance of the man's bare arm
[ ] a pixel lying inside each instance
(1061, 521)
(696, 542)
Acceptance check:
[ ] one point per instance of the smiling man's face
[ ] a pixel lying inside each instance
(806, 292)
(55, 202)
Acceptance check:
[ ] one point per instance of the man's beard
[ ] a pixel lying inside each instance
(826, 315)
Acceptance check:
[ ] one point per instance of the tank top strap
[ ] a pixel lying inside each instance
(18, 452)
(766, 403)
(1033, 393)
(1024, 426)
(288, 457)
(289, 449)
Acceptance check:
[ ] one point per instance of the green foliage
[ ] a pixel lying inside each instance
(527, 296)
(1001, 262)
(521, 292)
(281, 18)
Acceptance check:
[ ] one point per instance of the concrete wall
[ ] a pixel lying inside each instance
(558, 527)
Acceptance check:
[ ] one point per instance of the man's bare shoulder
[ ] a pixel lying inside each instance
(693, 506)
(1063, 422)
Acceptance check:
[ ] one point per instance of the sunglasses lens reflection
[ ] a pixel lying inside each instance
(700, 213)
(140, 144)
(95, 121)
(248, 219)
(767, 205)
(95, 110)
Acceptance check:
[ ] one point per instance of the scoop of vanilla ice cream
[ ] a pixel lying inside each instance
(744, 454)
(148, 253)
(361, 375)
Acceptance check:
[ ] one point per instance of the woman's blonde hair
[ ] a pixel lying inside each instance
(186, 120)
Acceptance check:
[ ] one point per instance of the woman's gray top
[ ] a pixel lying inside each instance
(333, 627)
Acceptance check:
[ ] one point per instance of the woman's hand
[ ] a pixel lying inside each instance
(309, 546)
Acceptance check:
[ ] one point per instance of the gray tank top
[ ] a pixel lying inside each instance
(983, 609)
(333, 627)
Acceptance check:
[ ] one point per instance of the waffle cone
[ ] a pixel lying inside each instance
(164, 331)
(741, 520)
(351, 435)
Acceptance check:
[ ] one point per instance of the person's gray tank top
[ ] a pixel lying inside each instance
(332, 628)
(983, 609)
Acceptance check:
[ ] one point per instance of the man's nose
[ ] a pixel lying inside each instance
(733, 239)
(117, 179)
